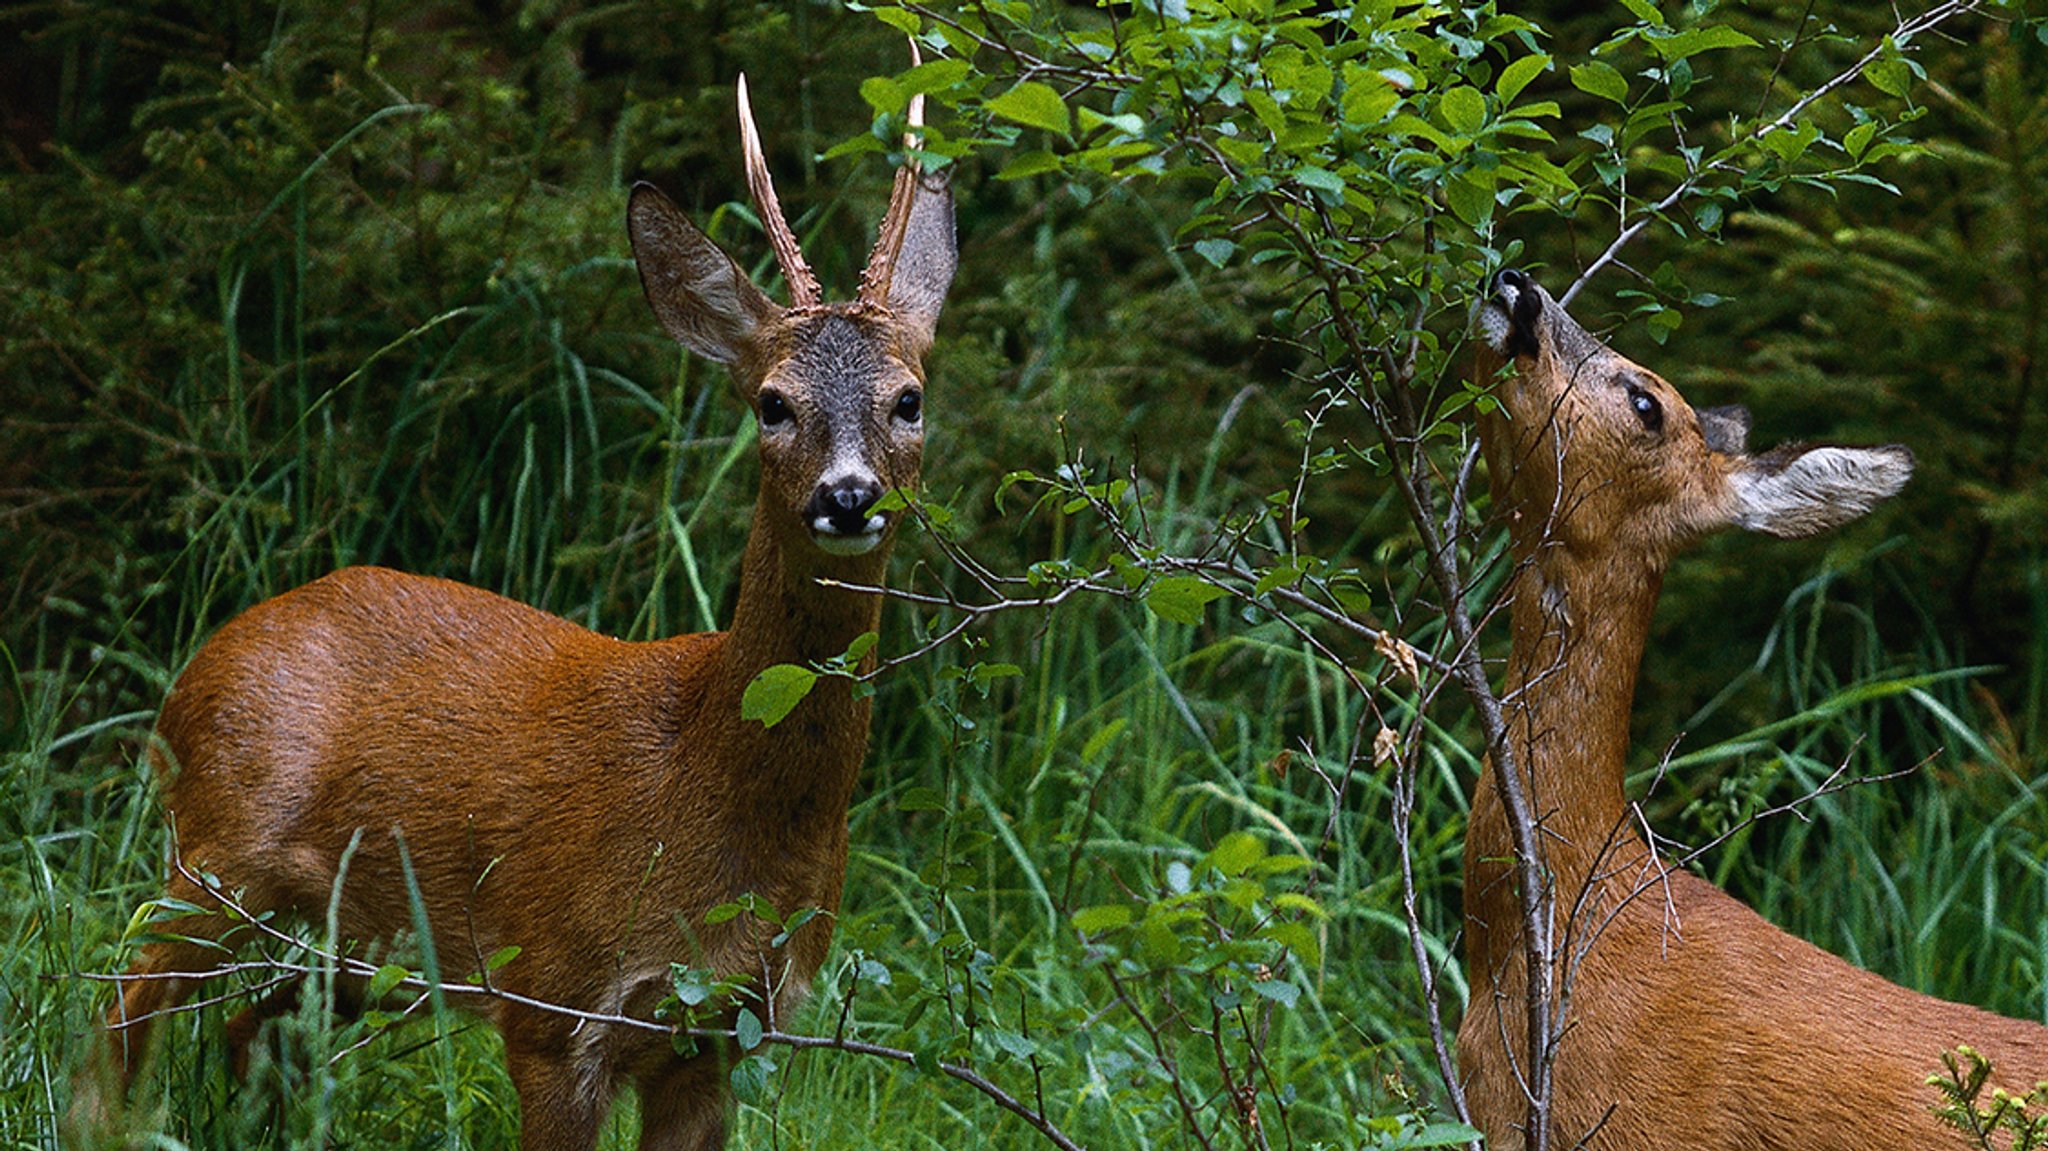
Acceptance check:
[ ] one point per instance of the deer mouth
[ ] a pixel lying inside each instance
(834, 537)
(1508, 315)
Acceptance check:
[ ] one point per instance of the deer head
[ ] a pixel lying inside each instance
(1592, 449)
(838, 389)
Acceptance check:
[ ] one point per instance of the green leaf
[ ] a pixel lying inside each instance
(1279, 575)
(1442, 1135)
(862, 644)
(1267, 109)
(1011, 1042)
(1033, 105)
(907, 22)
(1279, 991)
(501, 957)
(983, 674)
(746, 1029)
(1235, 853)
(790, 925)
(1030, 163)
(1858, 138)
(933, 75)
(388, 976)
(1470, 195)
(1368, 97)
(1282, 864)
(1217, 252)
(1791, 143)
(1664, 322)
(855, 145)
(1328, 183)
(1132, 575)
(1090, 920)
(692, 985)
(1645, 11)
(1180, 599)
(1295, 937)
(775, 691)
(1410, 124)
(1600, 79)
(1891, 77)
(1464, 110)
(884, 95)
(1128, 123)
(1696, 40)
(1158, 944)
(1517, 75)
(1296, 901)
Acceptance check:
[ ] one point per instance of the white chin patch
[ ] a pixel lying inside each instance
(838, 543)
(1494, 320)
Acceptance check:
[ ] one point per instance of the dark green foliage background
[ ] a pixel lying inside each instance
(292, 287)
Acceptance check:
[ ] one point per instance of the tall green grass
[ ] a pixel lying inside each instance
(1126, 746)
(361, 361)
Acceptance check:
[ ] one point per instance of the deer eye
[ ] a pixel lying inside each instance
(910, 406)
(1647, 409)
(774, 409)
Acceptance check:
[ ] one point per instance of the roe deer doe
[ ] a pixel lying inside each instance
(582, 798)
(1687, 1019)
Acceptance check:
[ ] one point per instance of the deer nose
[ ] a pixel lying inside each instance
(843, 504)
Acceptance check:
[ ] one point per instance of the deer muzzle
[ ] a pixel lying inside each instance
(840, 515)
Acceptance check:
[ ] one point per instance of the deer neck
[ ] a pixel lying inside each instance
(801, 771)
(1580, 619)
(787, 615)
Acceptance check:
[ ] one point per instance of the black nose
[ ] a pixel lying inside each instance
(1511, 278)
(844, 504)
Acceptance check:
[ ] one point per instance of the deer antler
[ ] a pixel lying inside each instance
(875, 278)
(803, 283)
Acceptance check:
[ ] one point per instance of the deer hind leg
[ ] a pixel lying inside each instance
(167, 971)
(154, 986)
(682, 1107)
(247, 1023)
(163, 975)
(562, 1098)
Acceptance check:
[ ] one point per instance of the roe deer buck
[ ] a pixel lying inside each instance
(1687, 1020)
(583, 798)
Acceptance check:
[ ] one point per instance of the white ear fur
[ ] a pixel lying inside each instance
(1792, 492)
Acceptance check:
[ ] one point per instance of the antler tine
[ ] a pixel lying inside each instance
(917, 101)
(874, 279)
(803, 283)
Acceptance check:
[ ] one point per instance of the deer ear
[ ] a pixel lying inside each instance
(1726, 429)
(1798, 491)
(924, 265)
(698, 294)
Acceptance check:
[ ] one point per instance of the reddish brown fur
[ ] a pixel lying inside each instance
(582, 798)
(1692, 1022)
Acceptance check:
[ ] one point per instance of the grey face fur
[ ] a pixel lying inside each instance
(838, 389)
(843, 415)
